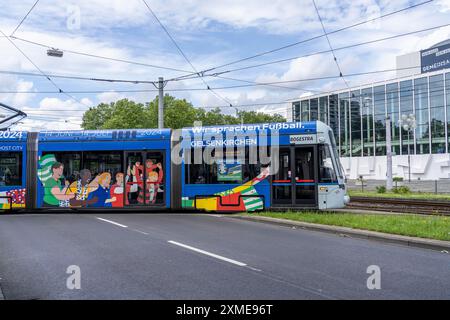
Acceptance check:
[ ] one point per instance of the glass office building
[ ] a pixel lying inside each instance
(358, 115)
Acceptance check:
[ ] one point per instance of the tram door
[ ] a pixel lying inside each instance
(144, 178)
(295, 183)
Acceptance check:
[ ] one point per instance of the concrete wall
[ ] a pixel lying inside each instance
(423, 167)
(437, 186)
(407, 61)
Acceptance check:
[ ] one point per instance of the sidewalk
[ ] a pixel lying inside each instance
(438, 245)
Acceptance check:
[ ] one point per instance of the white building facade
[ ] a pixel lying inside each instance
(358, 119)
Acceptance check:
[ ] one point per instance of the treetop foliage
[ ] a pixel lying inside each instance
(178, 113)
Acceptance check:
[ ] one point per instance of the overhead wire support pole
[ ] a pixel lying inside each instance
(161, 103)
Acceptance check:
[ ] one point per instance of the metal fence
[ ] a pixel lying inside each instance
(428, 186)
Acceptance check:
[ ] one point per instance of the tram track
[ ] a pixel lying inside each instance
(425, 207)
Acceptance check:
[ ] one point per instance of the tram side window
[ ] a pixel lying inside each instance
(87, 178)
(222, 172)
(99, 162)
(96, 162)
(71, 162)
(10, 169)
(327, 174)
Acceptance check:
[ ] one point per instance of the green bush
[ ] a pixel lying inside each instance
(381, 189)
(402, 190)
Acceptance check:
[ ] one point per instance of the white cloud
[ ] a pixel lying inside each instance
(54, 114)
(52, 103)
(275, 16)
(110, 96)
(445, 5)
(11, 85)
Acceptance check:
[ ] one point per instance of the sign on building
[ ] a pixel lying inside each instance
(435, 59)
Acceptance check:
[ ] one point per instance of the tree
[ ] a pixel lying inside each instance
(260, 117)
(123, 114)
(127, 115)
(95, 117)
(215, 117)
(178, 113)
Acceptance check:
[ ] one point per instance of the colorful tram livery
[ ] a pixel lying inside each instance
(13, 159)
(86, 169)
(295, 165)
(222, 168)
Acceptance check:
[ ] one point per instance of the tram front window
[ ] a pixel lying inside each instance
(327, 174)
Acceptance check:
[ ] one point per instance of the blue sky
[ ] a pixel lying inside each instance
(210, 33)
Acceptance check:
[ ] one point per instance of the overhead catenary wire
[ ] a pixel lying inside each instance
(335, 49)
(243, 80)
(229, 63)
(249, 83)
(191, 76)
(142, 64)
(274, 85)
(40, 70)
(71, 77)
(329, 44)
(41, 112)
(411, 91)
(137, 81)
(25, 17)
(391, 94)
(47, 117)
(184, 55)
(319, 36)
(396, 91)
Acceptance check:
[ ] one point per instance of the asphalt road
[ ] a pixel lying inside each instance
(174, 256)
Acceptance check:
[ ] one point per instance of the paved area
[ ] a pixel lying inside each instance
(175, 256)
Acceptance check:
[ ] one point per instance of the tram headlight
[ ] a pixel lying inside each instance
(346, 199)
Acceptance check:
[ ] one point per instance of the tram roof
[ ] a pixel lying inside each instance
(106, 135)
(13, 136)
(282, 127)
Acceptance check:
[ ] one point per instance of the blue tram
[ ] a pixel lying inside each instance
(221, 168)
(259, 166)
(86, 169)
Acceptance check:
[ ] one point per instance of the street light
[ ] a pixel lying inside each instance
(388, 154)
(408, 123)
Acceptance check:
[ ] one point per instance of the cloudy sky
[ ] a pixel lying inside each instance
(210, 33)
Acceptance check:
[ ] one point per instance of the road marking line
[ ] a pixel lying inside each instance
(254, 269)
(240, 264)
(112, 222)
(141, 232)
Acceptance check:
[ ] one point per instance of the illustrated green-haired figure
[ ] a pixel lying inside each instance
(54, 192)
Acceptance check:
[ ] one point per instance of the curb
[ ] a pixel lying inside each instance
(438, 245)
